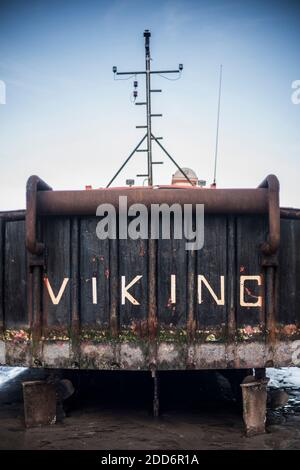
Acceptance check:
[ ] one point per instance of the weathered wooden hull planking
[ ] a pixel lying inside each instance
(138, 304)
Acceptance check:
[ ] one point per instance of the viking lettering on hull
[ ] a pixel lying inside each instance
(216, 292)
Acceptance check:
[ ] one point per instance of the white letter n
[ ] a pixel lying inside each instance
(221, 300)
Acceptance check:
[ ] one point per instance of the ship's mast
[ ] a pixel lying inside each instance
(149, 137)
(147, 35)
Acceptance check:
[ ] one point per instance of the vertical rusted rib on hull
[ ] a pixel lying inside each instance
(35, 249)
(2, 227)
(114, 293)
(271, 297)
(152, 313)
(270, 251)
(262, 311)
(75, 316)
(191, 321)
(36, 264)
(36, 303)
(29, 296)
(231, 278)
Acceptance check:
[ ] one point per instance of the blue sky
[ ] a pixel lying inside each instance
(68, 121)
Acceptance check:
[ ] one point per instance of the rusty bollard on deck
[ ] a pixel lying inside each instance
(39, 403)
(254, 404)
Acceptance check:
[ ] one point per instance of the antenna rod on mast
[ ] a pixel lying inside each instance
(218, 122)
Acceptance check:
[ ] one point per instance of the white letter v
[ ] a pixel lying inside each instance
(56, 300)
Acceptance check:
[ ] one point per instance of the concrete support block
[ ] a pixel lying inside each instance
(254, 404)
(39, 403)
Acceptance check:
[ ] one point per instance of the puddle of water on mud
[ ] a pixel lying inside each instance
(288, 379)
(7, 374)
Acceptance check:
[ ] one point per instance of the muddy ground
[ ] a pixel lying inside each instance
(113, 411)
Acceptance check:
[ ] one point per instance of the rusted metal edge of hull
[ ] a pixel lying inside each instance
(13, 215)
(289, 213)
(250, 201)
(169, 356)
